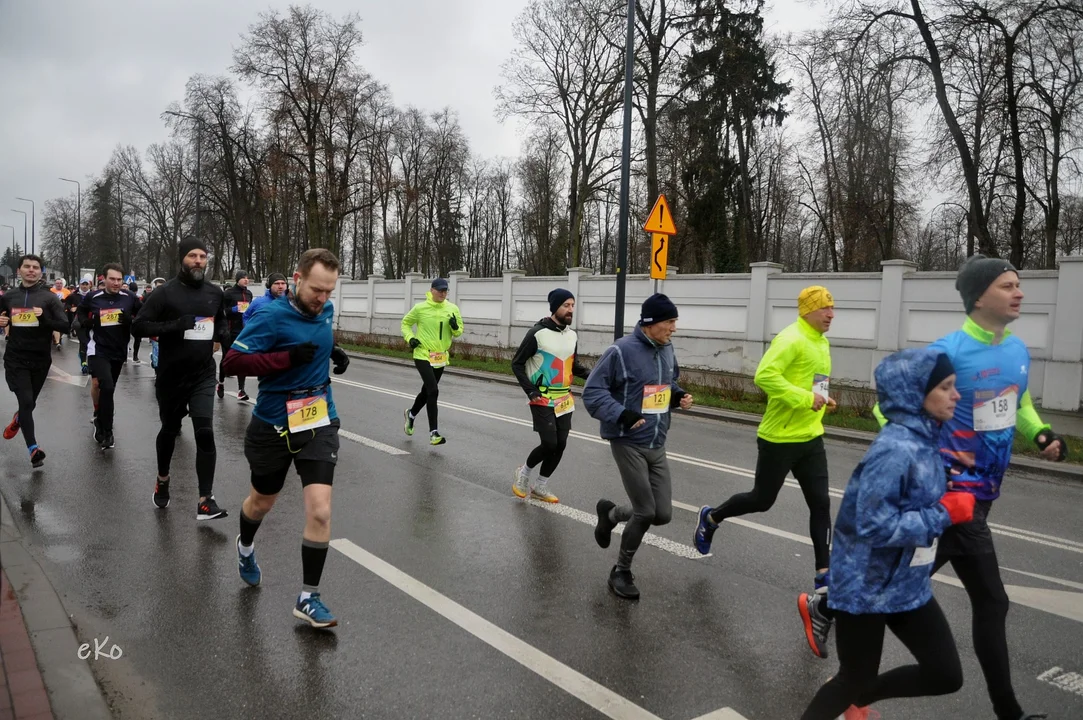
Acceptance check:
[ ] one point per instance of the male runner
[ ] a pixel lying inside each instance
(287, 345)
(108, 314)
(631, 391)
(437, 321)
(31, 313)
(544, 365)
(62, 294)
(976, 445)
(276, 288)
(71, 308)
(82, 333)
(237, 299)
(795, 374)
(187, 315)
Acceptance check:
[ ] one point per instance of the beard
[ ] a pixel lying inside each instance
(192, 275)
(565, 320)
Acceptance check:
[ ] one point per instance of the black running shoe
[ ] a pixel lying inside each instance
(107, 442)
(221, 390)
(37, 458)
(603, 531)
(161, 494)
(99, 436)
(209, 510)
(242, 395)
(623, 584)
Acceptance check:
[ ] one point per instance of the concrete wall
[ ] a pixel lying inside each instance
(727, 320)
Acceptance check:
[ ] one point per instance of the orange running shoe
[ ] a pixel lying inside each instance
(13, 427)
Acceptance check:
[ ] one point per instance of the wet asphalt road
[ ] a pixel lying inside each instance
(709, 633)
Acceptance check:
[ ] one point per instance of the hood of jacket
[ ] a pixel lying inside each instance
(900, 388)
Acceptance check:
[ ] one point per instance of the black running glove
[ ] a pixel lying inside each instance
(186, 322)
(414, 343)
(302, 354)
(629, 418)
(534, 396)
(340, 359)
(1046, 438)
(453, 322)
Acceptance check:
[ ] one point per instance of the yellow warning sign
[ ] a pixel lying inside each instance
(659, 256)
(661, 219)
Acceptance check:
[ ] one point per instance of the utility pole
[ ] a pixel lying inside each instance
(625, 174)
(79, 222)
(33, 225)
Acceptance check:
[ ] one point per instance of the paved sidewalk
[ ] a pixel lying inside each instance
(42, 675)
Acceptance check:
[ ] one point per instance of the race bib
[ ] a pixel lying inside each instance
(924, 556)
(240, 307)
(565, 405)
(438, 359)
(821, 385)
(995, 412)
(307, 413)
(110, 318)
(24, 317)
(204, 329)
(656, 399)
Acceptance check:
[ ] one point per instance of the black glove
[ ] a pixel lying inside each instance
(1046, 438)
(535, 396)
(340, 359)
(453, 322)
(414, 343)
(629, 418)
(302, 354)
(186, 322)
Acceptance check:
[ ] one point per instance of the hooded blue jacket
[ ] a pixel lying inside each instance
(891, 507)
(258, 303)
(616, 384)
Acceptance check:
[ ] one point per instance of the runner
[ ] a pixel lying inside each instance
(30, 313)
(276, 288)
(83, 332)
(288, 345)
(187, 315)
(795, 374)
(892, 513)
(237, 299)
(976, 448)
(544, 365)
(437, 322)
(108, 314)
(62, 294)
(71, 309)
(158, 282)
(631, 391)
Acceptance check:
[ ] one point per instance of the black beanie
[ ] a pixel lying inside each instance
(941, 371)
(657, 308)
(189, 243)
(275, 277)
(241, 275)
(558, 297)
(976, 275)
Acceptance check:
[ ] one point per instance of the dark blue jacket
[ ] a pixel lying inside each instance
(891, 507)
(617, 381)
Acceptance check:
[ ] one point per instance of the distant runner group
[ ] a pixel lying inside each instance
(919, 499)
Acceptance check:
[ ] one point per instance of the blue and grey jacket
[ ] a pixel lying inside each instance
(256, 304)
(617, 383)
(891, 507)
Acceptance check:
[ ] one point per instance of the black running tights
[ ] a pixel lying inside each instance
(860, 641)
(27, 383)
(430, 391)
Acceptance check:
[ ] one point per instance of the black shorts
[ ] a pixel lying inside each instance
(100, 366)
(270, 454)
(175, 400)
(546, 420)
(972, 538)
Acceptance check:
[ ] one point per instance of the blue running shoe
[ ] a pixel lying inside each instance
(248, 568)
(704, 531)
(314, 612)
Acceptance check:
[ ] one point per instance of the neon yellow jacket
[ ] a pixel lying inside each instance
(433, 327)
(799, 357)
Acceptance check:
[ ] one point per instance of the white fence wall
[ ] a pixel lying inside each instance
(727, 320)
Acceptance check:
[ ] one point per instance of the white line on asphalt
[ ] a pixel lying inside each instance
(1026, 535)
(1057, 581)
(375, 444)
(723, 714)
(1067, 681)
(572, 682)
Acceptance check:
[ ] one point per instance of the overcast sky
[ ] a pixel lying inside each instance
(77, 77)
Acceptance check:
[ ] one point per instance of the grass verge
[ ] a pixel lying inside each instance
(854, 411)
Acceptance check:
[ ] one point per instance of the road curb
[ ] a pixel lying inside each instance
(74, 693)
(1057, 471)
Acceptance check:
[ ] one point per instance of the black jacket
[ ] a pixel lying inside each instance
(183, 356)
(234, 297)
(109, 318)
(32, 345)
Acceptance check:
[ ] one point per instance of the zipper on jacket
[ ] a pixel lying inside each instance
(657, 418)
(441, 329)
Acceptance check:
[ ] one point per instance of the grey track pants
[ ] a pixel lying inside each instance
(645, 474)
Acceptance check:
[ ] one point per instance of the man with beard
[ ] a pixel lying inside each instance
(287, 345)
(544, 365)
(31, 313)
(237, 299)
(276, 288)
(188, 317)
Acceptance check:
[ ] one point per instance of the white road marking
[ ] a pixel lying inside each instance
(369, 442)
(1058, 581)
(1068, 681)
(1026, 535)
(59, 375)
(572, 682)
(723, 714)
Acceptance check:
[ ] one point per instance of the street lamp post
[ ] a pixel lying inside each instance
(625, 174)
(13, 258)
(33, 225)
(79, 221)
(23, 213)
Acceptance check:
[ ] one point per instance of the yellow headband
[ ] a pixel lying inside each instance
(812, 299)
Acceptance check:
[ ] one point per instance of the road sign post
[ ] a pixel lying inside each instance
(660, 225)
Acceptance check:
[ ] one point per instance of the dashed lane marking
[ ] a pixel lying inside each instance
(1068, 681)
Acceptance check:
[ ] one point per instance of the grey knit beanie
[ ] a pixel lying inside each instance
(976, 275)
